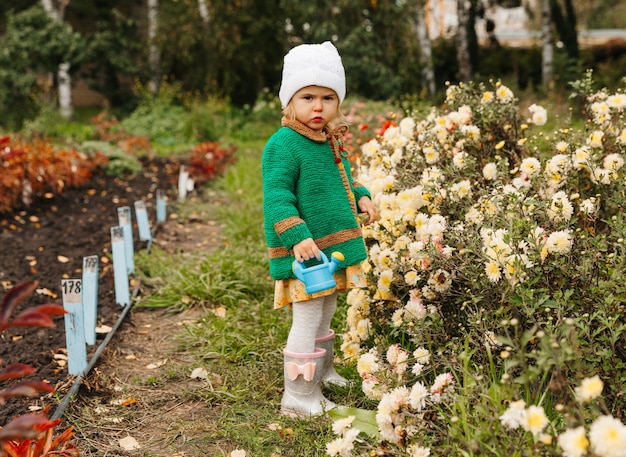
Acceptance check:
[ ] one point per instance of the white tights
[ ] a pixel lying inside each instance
(311, 319)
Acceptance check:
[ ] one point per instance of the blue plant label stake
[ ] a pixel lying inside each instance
(120, 272)
(160, 206)
(90, 297)
(125, 220)
(142, 221)
(74, 326)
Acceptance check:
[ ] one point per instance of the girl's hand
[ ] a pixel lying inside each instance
(367, 206)
(306, 249)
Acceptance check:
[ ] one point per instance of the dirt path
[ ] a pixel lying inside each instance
(143, 397)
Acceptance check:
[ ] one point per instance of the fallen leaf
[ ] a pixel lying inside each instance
(220, 311)
(46, 292)
(103, 329)
(129, 443)
(129, 402)
(154, 365)
(63, 259)
(199, 373)
(130, 357)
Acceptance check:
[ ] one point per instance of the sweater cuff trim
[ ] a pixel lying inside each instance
(282, 226)
(322, 243)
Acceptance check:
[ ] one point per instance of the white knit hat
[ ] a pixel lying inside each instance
(312, 65)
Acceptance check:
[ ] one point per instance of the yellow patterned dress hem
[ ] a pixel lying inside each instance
(288, 291)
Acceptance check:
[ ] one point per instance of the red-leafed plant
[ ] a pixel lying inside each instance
(209, 160)
(29, 435)
(29, 169)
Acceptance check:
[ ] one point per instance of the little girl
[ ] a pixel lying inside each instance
(311, 205)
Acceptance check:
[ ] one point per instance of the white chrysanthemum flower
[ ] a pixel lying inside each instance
(581, 157)
(573, 442)
(465, 114)
(396, 318)
(363, 328)
(535, 420)
(440, 280)
(621, 138)
(490, 171)
(613, 162)
(492, 270)
(559, 242)
(588, 206)
(437, 226)
(422, 355)
(431, 155)
(417, 369)
(385, 280)
(341, 425)
(372, 388)
(474, 216)
(415, 308)
(459, 160)
(407, 126)
(561, 146)
(418, 396)
(471, 131)
(443, 382)
(461, 190)
(411, 278)
(530, 166)
(539, 114)
(600, 108)
(595, 139)
(608, 437)
(370, 149)
(368, 363)
(487, 97)
(561, 208)
(514, 415)
(589, 389)
(343, 445)
(452, 92)
(616, 101)
(417, 451)
(504, 94)
(601, 175)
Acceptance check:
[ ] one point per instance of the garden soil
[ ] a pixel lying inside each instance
(124, 406)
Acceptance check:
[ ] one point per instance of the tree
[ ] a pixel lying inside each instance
(33, 45)
(462, 42)
(565, 24)
(426, 58)
(154, 56)
(546, 44)
(56, 11)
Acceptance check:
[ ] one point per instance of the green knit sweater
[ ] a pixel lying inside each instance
(307, 194)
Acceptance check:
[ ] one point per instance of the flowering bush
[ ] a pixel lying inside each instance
(495, 313)
(29, 169)
(209, 160)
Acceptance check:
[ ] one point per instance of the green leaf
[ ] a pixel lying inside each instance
(364, 419)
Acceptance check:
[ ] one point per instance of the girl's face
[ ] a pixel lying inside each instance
(315, 106)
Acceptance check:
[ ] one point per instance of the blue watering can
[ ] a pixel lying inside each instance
(318, 277)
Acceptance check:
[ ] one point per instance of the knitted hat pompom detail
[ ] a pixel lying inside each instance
(312, 65)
